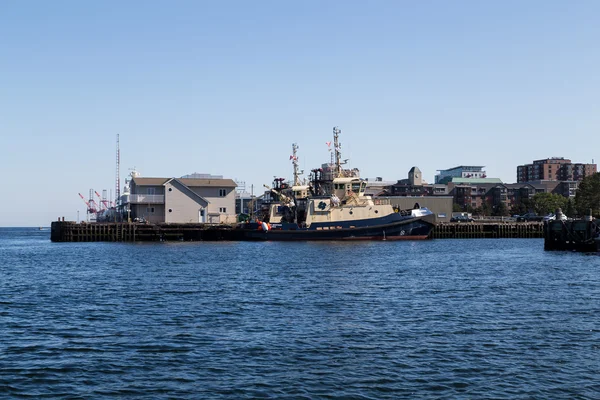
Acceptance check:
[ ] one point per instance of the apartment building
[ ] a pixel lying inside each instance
(554, 169)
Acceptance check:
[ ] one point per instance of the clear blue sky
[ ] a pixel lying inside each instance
(226, 87)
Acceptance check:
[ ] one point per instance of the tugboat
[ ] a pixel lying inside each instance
(334, 207)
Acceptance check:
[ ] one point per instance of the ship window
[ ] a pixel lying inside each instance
(356, 187)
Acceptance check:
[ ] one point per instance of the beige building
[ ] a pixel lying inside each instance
(181, 200)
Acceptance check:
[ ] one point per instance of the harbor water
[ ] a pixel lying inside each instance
(446, 318)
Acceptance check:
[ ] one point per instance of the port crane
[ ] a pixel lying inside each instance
(104, 203)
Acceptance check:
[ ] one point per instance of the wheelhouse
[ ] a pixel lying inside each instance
(343, 187)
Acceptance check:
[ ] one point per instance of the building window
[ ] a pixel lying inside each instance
(151, 190)
(170, 189)
(222, 192)
(223, 209)
(150, 210)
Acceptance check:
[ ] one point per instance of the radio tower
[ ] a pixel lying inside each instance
(118, 181)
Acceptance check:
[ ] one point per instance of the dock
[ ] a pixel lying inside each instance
(70, 231)
(575, 235)
(488, 230)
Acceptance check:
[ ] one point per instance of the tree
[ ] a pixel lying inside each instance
(588, 196)
(545, 203)
(518, 209)
(501, 210)
(569, 210)
(486, 209)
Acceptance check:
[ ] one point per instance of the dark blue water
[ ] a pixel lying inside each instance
(431, 319)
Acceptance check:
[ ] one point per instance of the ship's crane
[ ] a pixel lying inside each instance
(282, 197)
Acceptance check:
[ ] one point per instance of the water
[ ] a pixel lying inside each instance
(433, 319)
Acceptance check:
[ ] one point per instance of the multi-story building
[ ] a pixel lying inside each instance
(181, 200)
(462, 171)
(517, 192)
(554, 169)
(480, 195)
(414, 185)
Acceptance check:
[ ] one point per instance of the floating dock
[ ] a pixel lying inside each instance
(69, 231)
(576, 235)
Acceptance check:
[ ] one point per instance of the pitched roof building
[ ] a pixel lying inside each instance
(181, 200)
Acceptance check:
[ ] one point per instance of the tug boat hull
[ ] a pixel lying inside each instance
(400, 229)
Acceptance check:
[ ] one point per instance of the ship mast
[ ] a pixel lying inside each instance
(338, 153)
(297, 172)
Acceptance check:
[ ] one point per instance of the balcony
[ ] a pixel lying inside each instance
(144, 199)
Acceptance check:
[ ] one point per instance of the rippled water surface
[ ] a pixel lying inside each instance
(431, 319)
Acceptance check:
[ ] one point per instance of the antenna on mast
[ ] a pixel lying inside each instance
(118, 180)
(294, 159)
(338, 153)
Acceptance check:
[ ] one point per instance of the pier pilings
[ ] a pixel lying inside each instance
(69, 231)
(482, 230)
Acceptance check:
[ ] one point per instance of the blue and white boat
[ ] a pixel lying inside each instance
(334, 207)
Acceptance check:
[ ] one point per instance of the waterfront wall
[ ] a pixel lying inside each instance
(68, 231)
(482, 230)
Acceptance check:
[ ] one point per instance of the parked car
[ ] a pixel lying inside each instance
(461, 217)
(552, 217)
(530, 217)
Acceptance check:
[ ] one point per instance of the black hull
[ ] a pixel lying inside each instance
(410, 229)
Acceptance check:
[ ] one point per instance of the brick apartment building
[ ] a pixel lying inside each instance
(554, 169)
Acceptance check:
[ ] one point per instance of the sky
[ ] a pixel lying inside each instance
(226, 87)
